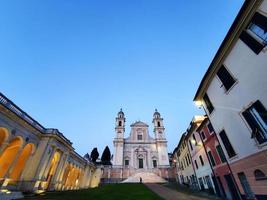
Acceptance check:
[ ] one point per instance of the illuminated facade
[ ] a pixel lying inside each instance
(33, 158)
(140, 152)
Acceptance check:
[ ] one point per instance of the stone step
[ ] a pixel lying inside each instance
(147, 177)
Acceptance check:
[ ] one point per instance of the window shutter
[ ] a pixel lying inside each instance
(251, 121)
(230, 150)
(225, 77)
(252, 43)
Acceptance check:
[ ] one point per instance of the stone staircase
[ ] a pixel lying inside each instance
(147, 177)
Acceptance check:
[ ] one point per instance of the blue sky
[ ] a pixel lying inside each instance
(73, 64)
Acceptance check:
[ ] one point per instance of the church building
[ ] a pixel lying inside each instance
(140, 154)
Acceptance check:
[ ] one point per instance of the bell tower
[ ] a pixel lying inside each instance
(119, 139)
(161, 142)
(120, 124)
(158, 125)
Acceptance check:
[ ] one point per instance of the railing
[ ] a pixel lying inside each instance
(23, 115)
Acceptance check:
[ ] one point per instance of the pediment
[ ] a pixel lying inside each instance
(139, 124)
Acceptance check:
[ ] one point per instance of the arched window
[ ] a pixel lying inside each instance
(259, 175)
(119, 123)
(158, 123)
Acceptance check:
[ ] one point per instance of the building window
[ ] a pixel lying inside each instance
(255, 36)
(210, 127)
(258, 32)
(190, 143)
(189, 158)
(201, 160)
(158, 124)
(225, 77)
(227, 145)
(119, 123)
(154, 163)
(259, 175)
(186, 158)
(212, 161)
(202, 135)
(208, 103)
(141, 164)
(244, 182)
(126, 162)
(220, 152)
(194, 138)
(139, 137)
(201, 183)
(256, 117)
(196, 164)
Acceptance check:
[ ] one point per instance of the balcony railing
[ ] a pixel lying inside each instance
(23, 115)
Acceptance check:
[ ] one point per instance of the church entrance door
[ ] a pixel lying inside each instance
(141, 164)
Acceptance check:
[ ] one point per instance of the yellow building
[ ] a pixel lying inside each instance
(35, 159)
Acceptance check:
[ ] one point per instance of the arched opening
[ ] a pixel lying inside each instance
(69, 177)
(20, 164)
(158, 124)
(119, 123)
(3, 135)
(53, 167)
(65, 174)
(76, 179)
(9, 154)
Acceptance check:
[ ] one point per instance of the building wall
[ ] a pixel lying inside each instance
(221, 168)
(202, 170)
(249, 70)
(36, 159)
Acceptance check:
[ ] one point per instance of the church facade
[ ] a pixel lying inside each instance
(139, 152)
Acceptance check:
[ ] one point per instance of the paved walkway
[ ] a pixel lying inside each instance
(171, 194)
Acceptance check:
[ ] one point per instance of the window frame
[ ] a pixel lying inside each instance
(201, 160)
(223, 157)
(139, 136)
(126, 161)
(211, 158)
(234, 152)
(250, 38)
(223, 81)
(196, 164)
(246, 116)
(208, 104)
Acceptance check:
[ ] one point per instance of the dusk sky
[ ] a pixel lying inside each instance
(72, 65)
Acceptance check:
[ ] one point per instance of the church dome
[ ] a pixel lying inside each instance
(156, 114)
(121, 113)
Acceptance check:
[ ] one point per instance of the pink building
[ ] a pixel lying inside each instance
(217, 161)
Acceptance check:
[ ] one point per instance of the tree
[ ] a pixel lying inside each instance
(94, 154)
(106, 156)
(87, 156)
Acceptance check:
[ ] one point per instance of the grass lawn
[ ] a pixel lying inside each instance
(107, 192)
